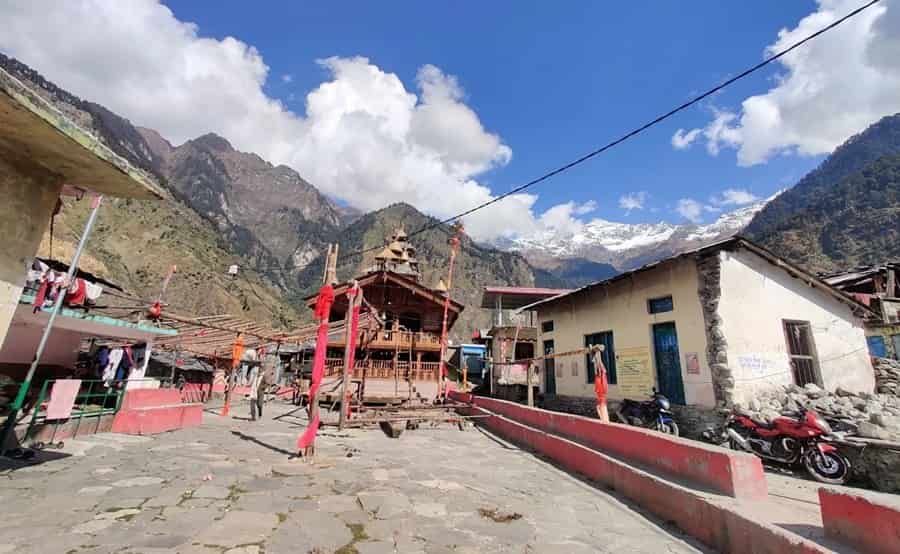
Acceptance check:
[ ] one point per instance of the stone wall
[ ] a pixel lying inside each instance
(578, 405)
(709, 290)
(887, 376)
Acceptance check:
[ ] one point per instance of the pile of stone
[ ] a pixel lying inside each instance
(875, 416)
(887, 375)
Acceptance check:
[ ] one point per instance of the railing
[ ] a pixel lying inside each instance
(93, 400)
(395, 339)
(386, 369)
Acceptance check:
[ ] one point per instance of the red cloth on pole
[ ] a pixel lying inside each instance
(601, 386)
(351, 345)
(323, 310)
(309, 436)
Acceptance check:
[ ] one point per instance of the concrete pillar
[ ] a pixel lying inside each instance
(27, 198)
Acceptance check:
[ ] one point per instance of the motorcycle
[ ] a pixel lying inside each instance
(653, 414)
(793, 440)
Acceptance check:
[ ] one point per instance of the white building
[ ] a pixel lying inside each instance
(708, 327)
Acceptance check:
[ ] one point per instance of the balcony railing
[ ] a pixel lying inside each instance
(391, 340)
(386, 369)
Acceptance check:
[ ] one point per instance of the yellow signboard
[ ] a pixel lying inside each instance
(634, 375)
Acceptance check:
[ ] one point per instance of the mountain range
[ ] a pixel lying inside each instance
(603, 248)
(224, 207)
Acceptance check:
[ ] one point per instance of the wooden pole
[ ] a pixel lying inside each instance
(329, 276)
(352, 293)
(442, 365)
(530, 389)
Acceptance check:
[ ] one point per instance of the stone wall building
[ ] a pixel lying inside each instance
(709, 327)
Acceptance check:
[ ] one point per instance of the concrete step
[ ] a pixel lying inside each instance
(729, 524)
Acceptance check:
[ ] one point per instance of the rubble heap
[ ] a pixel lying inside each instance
(875, 416)
(887, 376)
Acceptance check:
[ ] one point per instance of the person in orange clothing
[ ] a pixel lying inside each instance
(601, 385)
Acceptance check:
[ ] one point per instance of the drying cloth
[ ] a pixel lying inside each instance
(76, 293)
(62, 398)
(323, 311)
(41, 296)
(92, 291)
(109, 372)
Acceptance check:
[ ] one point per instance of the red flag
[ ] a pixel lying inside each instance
(323, 310)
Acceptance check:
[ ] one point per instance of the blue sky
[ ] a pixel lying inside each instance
(552, 80)
(446, 105)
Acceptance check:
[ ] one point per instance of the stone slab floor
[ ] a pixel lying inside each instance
(229, 486)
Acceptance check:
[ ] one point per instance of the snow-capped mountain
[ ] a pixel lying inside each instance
(625, 245)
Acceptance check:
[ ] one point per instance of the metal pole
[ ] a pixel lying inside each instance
(10, 425)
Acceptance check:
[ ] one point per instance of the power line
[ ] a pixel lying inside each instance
(634, 132)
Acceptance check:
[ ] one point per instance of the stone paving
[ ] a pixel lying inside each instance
(229, 486)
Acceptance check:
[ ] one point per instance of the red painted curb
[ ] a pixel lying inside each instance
(861, 520)
(720, 526)
(735, 474)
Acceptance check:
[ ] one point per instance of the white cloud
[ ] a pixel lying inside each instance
(633, 201)
(690, 209)
(560, 218)
(586, 208)
(831, 88)
(287, 78)
(364, 137)
(683, 139)
(734, 197)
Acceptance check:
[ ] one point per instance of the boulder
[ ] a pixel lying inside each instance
(813, 390)
(872, 431)
(843, 392)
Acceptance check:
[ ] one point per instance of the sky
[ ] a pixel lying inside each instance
(446, 105)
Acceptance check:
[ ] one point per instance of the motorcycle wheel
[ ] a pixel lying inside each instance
(831, 468)
(668, 428)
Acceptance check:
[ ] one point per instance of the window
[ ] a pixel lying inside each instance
(802, 352)
(609, 356)
(660, 305)
(547, 326)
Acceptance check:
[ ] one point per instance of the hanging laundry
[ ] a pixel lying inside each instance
(125, 365)
(109, 372)
(92, 292)
(76, 293)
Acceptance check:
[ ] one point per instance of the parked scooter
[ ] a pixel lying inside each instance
(804, 439)
(653, 414)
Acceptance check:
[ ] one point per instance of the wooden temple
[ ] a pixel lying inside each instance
(398, 351)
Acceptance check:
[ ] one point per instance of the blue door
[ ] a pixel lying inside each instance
(549, 369)
(668, 362)
(877, 346)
